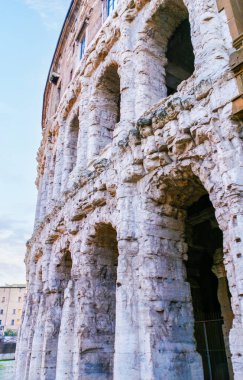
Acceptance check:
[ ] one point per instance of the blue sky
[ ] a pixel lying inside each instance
(29, 31)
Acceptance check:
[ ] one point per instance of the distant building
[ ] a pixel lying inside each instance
(11, 306)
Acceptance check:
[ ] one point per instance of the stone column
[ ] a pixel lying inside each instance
(150, 73)
(127, 355)
(51, 180)
(26, 333)
(233, 260)
(51, 333)
(38, 205)
(223, 297)
(72, 127)
(166, 323)
(54, 293)
(126, 73)
(39, 323)
(208, 39)
(93, 357)
(44, 186)
(37, 344)
(66, 335)
(24, 342)
(84, 125)
(57, 181)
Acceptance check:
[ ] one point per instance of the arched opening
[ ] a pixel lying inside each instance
(193, 303)
(64, 271)
(98, 362)
(72, 146)
(209, 289)
(107, 107)
(165, 51)
(180, 57)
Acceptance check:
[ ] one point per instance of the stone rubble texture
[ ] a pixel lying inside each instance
(107, 291)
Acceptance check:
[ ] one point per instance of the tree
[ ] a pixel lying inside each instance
(10, 332)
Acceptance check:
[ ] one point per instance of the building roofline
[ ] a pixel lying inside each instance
(13, 286)
(54, 57)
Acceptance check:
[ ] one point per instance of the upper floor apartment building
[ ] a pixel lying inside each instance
(11, 306)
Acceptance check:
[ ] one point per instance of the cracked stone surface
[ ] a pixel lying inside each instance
(108, 296)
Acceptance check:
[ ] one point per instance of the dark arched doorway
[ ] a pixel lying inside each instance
(209, 289)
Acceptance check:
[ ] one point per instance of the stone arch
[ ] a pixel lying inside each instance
(104, 109)
(191, 230)
(167, 24)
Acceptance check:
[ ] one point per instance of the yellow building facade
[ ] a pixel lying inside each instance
(11, 306)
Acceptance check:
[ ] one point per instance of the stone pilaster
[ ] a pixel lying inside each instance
(57, 181)
(223, 297)
(84, 125)
(233, 259)
(127, 357)
(66, 335)
(26, 333)
(167, 344)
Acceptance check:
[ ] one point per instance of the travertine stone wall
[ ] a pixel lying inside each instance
(108, 296)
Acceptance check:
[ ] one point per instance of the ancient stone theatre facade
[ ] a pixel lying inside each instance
(135, 266)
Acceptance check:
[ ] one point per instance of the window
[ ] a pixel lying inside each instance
(14, 311)
(19, 311)
(3, 299)
(1, 311)
(12, 322)
(0, 322)
(111, 4)
(19, 299)
(82, 46)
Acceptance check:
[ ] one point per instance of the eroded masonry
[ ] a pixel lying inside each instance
(135, 266)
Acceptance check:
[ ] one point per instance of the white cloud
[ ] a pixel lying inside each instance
(52, 12)
(13, 237)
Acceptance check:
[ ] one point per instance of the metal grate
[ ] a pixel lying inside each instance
(210, 344)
